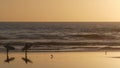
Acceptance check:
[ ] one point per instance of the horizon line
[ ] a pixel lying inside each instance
(60, 21)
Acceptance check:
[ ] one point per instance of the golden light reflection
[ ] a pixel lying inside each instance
(64, 60)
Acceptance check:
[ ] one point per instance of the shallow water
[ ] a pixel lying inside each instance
(63, 60)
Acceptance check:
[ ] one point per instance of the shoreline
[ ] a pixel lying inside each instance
(62, 51)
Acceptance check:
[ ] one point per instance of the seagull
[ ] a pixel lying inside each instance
(51, 56)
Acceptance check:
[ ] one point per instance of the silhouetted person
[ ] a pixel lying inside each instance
(7, 53)
(25, 48)
(105, 52)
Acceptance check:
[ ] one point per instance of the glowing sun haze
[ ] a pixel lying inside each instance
(60, 10)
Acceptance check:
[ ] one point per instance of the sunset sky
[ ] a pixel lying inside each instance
(60, 10)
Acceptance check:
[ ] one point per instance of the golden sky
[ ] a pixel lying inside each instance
(60, 10)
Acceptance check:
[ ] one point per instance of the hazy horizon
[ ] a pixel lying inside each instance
(60, 10)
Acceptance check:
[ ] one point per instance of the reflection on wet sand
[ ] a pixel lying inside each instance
(63, 60)
(116, 57)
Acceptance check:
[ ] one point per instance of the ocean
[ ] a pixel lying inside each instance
(61, 36)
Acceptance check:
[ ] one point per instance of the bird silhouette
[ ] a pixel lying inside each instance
(51, 56)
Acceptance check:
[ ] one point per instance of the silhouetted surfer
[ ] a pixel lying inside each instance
(25, 49)
(8, 48)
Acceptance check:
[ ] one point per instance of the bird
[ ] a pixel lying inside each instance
(51, 56)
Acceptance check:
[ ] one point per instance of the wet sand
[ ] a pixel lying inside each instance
(62, 60)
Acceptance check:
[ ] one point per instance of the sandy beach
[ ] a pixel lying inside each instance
(62, 60)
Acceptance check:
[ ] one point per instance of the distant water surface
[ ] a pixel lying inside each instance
(62, 36)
